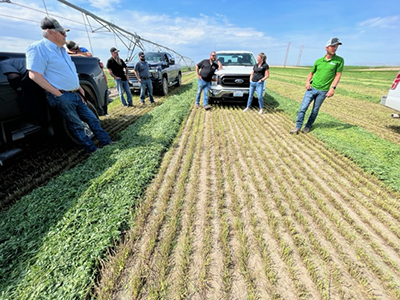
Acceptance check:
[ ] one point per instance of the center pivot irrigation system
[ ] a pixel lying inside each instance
(129, 39)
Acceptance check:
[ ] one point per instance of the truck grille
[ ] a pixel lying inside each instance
(239, 81)
(131, 74)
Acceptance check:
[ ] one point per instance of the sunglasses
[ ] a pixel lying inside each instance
(63, 32)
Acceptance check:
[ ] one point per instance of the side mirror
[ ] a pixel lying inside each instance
(172, 61)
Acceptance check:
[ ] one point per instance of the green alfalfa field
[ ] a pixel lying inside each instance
(222, 204)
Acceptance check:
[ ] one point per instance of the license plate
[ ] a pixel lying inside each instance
(238, 94)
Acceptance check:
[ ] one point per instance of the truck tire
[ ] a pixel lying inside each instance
(164, 86)
(179, 81)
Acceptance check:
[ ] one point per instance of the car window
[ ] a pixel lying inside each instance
(153, 57)
(236, 59)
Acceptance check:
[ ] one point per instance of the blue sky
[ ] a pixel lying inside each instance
(369, 30)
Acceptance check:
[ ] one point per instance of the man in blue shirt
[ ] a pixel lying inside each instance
(75, 49)
(51, 67)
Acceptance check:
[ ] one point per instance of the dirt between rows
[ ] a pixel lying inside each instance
(242, 210)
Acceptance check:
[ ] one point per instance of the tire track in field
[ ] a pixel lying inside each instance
(243, 210)
(372, 117)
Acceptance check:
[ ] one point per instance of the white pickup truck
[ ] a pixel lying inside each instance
(392, 99)
(232, 83)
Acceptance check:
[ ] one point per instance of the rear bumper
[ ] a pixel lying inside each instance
(390, 101)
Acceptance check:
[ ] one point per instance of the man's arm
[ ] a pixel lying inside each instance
(137, 76)
(79, 53)
(40, 80)
(335, 82)
(197, 72)
(219, 65)
(112, 74)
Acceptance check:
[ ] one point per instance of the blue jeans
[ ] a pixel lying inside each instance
(202, 86)
(146, 83)
(311, 95)
(259, 87)
(74, 111)
(121, 87)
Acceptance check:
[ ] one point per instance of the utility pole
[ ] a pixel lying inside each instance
(299, 58)
(287, 52)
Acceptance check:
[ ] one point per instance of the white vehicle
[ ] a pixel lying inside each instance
(392, 99)
(232, 83)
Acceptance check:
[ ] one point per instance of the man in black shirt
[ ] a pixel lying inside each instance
(205, 71)
(118, 70)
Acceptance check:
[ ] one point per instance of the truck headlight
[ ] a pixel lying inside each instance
(214, 80)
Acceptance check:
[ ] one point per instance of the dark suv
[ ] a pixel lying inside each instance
(164, 72)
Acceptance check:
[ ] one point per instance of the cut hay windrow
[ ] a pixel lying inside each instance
(64, 228)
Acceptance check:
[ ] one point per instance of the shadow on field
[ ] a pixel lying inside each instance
(395, 129)
(272, 103)
(333, 125)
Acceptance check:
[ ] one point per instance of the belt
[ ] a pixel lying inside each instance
(73, 91)
(145, 78)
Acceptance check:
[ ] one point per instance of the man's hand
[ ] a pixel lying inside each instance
(330, 93)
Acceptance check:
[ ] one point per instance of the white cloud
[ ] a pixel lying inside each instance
(104, 4)
(381, 22)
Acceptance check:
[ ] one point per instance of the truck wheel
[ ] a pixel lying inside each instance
(179, 82)
(164, 87)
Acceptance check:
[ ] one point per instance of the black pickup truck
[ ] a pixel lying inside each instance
(164, 72)
(15, 125)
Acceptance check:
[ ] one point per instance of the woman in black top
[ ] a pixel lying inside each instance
(259, 74)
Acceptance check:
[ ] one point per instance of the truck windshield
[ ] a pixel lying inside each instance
(150, 57)
(236, 59)
(153, 57)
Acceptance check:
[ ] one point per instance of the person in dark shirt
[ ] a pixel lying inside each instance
(258, 76)
(205, 71)
(118, 70)
(142, 73)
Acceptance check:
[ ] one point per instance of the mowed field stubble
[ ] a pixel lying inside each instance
(240, 209)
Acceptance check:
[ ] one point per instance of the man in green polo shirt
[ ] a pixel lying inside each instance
(321, 83)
